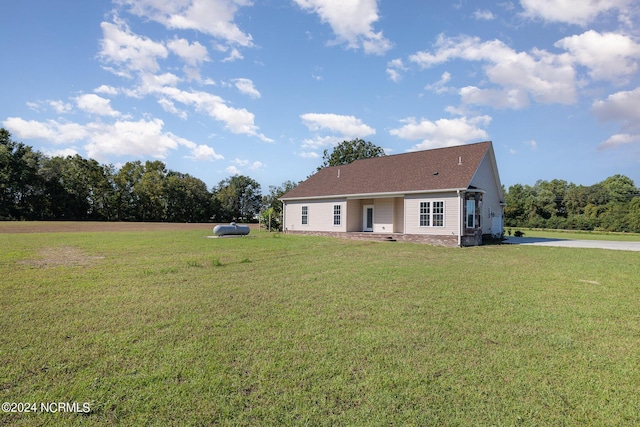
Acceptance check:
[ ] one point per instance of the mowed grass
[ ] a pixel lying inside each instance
(172, 328)
(577, 234)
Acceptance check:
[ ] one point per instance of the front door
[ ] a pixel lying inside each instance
(367, 218)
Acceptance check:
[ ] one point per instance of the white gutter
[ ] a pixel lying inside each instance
(284, 217)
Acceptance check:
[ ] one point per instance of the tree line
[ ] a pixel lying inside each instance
(610, 205)
(34, 186)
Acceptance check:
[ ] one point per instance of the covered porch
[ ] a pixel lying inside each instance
(375, 215)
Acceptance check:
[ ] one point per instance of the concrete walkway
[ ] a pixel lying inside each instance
(596, 244)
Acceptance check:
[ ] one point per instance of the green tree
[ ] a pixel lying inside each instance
(349, 151)
(620, 188)
(75, 188)
(188, 199)
(239, 199)
(520, 201)
(272, 206)
(127, 202)
(20, 184)
(150, 191)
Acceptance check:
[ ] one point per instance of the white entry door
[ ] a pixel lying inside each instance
(496, 225)
(367, 218)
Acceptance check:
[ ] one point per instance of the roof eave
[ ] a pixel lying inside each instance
(374, 195)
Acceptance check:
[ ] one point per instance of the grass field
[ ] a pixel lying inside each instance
(576, 234)
(171, 328)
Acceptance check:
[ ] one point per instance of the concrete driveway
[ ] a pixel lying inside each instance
(596, 244)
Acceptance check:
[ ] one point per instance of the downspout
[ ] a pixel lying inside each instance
(460, 218)
(284, 217)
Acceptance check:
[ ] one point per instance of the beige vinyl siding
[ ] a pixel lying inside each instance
(398, 215)
(354, 215)
(383, 216)
(486, 180)
(412, 214)
(320, 215)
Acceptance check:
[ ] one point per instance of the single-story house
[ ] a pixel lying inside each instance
(447, 196)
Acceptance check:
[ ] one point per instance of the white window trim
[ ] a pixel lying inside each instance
(338, 215)
(303, 215)
(473, 217)
(431, 214)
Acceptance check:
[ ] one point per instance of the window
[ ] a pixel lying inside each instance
(336, 214)
(432, 214)
(425, 214)
(305, 215)
(471, 213)
(438, 214)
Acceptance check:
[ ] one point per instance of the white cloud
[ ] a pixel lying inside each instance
(483, 15)
(573, 12)
(395, 68)
(136, 138)
(129, 51)
(608, 56)
(246, 163)
(60, 153)
(106, 90)
(309, 155)
(532, 144)
(240, 162)
(51, 130)
(620, 139)
(496, 98)
(442, 132)
(246, 87)
(351, 21)
(204, 152)
(256, 166)
(94, 104)
(168, 106)
(440, 85)
(233, 170)
(142, 138)
(191, 53)
(318, 142)
(348, 126)
(545, 77)
(620, 107)
(234, 55)
(60, 107)
(236, 120)
(213, 17)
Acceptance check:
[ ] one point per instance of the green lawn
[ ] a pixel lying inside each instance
(576, 234)
(171, 328)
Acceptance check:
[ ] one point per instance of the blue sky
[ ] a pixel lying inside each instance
(215, 88)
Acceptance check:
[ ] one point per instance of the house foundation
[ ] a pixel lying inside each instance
(435, 240)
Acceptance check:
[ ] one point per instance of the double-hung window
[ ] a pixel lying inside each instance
(432, 214)
(336, 214)
(438, 214)
(305, 215)
(425, 214)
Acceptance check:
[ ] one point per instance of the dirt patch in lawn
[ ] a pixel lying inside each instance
(67, 256)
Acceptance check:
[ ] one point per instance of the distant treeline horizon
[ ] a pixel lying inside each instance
(34, 186)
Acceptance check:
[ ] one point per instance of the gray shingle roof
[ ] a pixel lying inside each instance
(428, 170)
